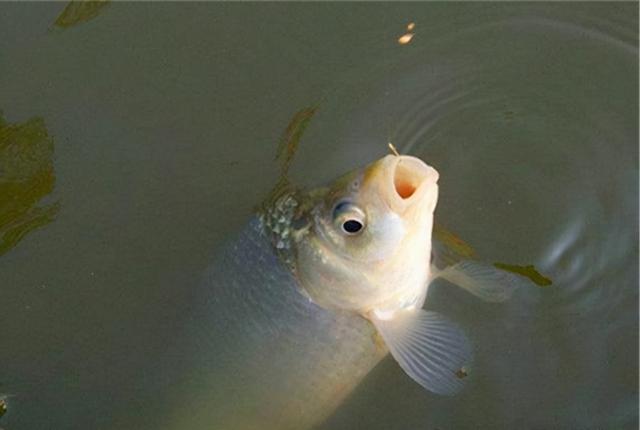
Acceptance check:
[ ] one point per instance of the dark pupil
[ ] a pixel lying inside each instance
(352, 226)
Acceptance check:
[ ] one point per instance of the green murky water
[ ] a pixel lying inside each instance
(154, 138)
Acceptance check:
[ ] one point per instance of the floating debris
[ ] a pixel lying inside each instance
(405, 38)
(462, 373)
(3, 406)
(26, 177)
(528, 271)
(79, 11)
(393, 149)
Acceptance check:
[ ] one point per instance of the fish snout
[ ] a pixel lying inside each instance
(410, 179)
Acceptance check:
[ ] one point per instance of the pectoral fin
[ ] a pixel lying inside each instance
(430, 349)
(482, 280)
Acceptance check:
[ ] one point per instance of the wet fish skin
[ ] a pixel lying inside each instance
(268, 357)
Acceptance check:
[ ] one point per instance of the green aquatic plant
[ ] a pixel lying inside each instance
(26, 178)
(286, 151)
(528, 271)
(290, 139)
(79, 11)
(455, 245)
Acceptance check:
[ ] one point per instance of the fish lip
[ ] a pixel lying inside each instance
(408, 179)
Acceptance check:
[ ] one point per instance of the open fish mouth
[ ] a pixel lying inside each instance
(409, 177)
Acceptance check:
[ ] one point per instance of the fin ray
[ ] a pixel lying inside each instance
(482, 280)
(436, 342)
(429, 348)
(456, 354)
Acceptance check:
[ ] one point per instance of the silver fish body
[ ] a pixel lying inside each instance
(270, 358)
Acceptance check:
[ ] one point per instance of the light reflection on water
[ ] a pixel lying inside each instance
(529, 112)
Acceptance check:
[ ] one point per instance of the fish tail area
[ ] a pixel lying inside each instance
(482, 280)
(430, 349)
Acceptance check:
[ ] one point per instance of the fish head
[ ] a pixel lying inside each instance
(368, 244)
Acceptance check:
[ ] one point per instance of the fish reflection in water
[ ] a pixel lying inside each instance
(296, 305)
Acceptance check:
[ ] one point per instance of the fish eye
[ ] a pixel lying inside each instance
(352, 226)
(348, 218)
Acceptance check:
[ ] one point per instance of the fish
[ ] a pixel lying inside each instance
(316, 289)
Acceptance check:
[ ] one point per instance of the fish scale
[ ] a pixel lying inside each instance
(268, 357)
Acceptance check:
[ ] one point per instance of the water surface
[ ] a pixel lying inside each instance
(165, 120)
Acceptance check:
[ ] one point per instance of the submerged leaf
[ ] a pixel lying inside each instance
(26, 177)
(79, 11)
(457, 245)
(291, 137)
(448, 248)
(528, 271)
(286, 151)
